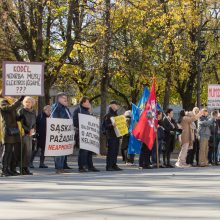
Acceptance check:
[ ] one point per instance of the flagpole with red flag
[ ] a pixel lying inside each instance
(146, 128)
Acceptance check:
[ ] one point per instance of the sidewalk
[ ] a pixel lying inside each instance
(191, 193)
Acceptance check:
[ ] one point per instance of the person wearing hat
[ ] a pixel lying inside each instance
(85, 162)
(113, 141)
(60, 110)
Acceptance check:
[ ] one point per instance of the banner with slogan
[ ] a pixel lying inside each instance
(89, 135)
(214, 96)
(60, 137)
(121, 128)
(23, 78)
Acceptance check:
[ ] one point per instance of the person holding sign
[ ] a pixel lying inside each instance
(27, 116)
(112, 139)
(85, 162)
(60, 110)
(10, 135)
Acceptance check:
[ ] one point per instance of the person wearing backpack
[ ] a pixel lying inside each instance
(85, 162)
(113, 141)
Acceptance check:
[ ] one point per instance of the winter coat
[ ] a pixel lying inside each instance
(204, 127)
(41, 127)
(28, 119)
(8, 117)
(110, 132)
(79, 110)
(60, 111)
(188, 130)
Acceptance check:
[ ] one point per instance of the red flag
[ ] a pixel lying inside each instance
(146, 128)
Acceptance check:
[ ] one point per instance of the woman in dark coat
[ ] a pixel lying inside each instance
(170, 127)
(10, 136)
(41, 125)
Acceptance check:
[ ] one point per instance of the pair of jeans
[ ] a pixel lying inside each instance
(112, 152)
(85, 159)
(59, 162)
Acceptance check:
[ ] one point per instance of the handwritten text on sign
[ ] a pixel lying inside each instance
(213, 96)
(21, 78)
(60, 137)
(121, 128)
(89, 133)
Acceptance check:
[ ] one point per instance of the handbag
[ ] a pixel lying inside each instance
(12, 131)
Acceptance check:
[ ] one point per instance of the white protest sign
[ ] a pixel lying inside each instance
(89, 133)
(213, 96)
(60, 137)
(23, 78)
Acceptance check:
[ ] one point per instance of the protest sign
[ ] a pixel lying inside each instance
(60, 137)
(214, 96)
(22, 78)
(121, 128)
(89, 133)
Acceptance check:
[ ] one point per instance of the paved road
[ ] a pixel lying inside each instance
(192, 193)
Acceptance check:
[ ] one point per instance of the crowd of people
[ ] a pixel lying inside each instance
(23, 134)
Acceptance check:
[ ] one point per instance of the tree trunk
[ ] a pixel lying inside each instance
(105, 72)
(166, 100)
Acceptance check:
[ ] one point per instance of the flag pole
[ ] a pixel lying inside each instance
(157, 152)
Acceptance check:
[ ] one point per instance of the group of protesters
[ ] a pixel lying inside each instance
(23, 134)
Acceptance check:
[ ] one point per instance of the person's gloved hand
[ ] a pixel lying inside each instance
(21, 98)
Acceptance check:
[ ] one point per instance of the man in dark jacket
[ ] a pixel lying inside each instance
(10, 136)
(60, 110)
(113, 141)
(85, 157)
(41, 125)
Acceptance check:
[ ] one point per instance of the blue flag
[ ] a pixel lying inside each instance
(134, 145)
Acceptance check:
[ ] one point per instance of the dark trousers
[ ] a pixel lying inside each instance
(112, 152)
(42, 157)
(154, 152)
(26, 150)
(170, 145)
(85, 159)
(193, 153)
(144, 158)
(213, 152)
(10, 156)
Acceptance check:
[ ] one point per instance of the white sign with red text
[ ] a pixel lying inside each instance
(60, 137)
(214, 96)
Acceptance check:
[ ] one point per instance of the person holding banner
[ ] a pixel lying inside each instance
(85, 162)
(27, 116)
(113, 141)
(60, 110)
(10, 135)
